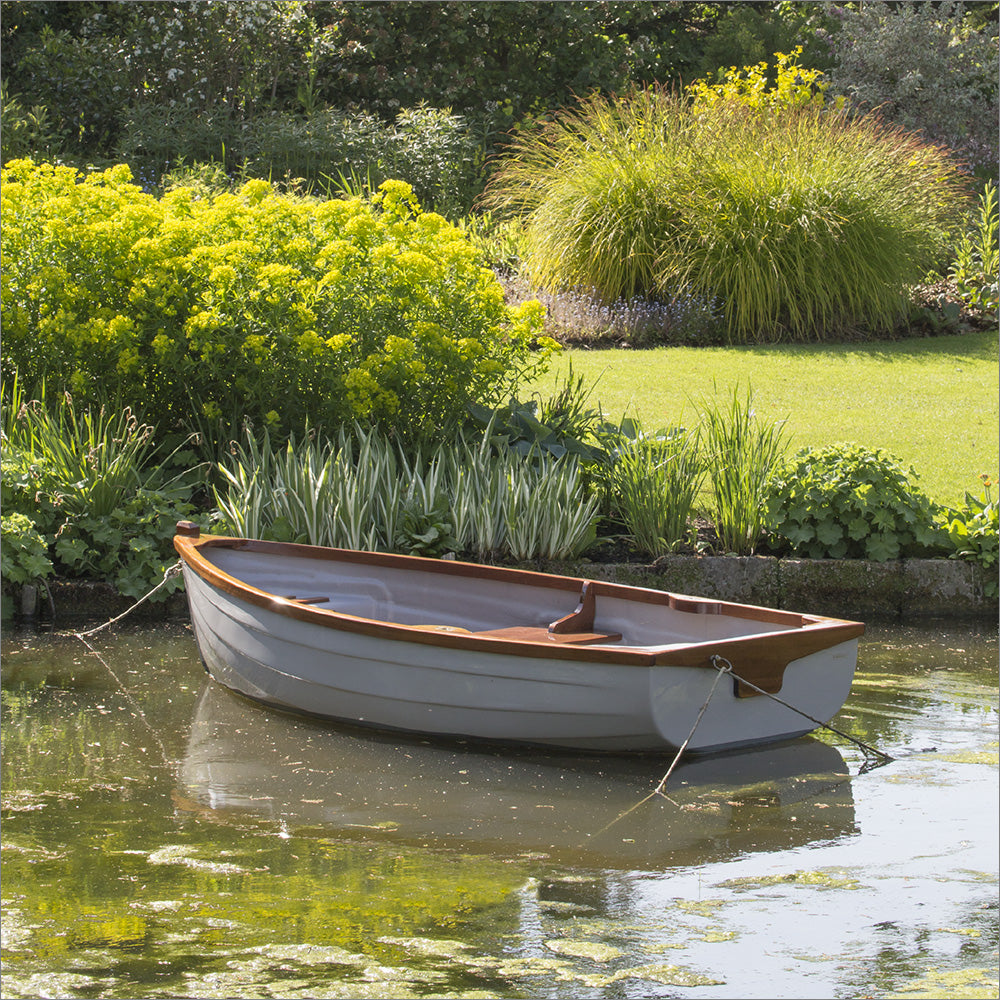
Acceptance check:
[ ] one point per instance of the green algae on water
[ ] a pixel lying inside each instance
(814, 879)
(956, 984)
(594, 950)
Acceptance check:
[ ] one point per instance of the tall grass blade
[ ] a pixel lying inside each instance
(742, 452)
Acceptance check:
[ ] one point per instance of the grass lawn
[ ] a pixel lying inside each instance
(931, 402)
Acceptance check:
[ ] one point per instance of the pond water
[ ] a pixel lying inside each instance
(163, 838)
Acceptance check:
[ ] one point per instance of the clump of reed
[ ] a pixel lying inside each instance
(652, 485)
(719, 470)
(742, 452)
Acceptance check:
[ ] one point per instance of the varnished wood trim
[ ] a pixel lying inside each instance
(582, 619)
(762, 659)
(528, 633)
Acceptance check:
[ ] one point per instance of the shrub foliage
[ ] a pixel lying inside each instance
(439, 154)
(848, 501)
(929, 67)
(252, 304)
(974, 530)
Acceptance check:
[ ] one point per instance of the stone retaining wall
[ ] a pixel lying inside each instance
(903, 591)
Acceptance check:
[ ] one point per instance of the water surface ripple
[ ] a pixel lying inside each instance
(164, 838)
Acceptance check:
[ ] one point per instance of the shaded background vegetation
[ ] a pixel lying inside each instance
(320, 90)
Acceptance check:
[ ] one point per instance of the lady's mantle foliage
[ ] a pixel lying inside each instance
(252, 304)
(848, 501)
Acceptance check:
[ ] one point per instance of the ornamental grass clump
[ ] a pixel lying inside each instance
(803, 222)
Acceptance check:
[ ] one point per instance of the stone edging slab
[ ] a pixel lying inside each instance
(901, 590)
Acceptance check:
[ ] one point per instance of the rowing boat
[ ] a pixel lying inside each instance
(456, 649)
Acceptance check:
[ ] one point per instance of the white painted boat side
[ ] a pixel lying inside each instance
(388, 683)
(419, 687)
(817, 684)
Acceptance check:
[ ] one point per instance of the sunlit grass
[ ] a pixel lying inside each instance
(933, 403)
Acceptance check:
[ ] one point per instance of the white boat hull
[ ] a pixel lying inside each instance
(456, 687)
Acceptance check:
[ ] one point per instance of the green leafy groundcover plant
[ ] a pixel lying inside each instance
(848, 501)
(88, 497)
(24, 552)
(281, 309)
(974, 530)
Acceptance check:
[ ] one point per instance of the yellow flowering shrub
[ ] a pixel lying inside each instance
(253, 304)
(794, 86)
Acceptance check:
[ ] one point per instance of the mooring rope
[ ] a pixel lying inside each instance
(659, 790)
(170, 572)
(728, 668)
(723, 666)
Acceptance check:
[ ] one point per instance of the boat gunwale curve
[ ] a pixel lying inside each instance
(761, 657)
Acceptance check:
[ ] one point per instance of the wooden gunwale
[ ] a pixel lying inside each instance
(761, 658)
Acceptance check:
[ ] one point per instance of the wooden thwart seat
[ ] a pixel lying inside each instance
(576, 628)
(528, 633)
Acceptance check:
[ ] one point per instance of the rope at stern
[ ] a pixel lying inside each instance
(718, 677)
(725, 667)
(659, 790)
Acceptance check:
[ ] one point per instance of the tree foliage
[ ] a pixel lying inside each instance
(95, 66)
(248, 56)
(929, 67)
(520, 56)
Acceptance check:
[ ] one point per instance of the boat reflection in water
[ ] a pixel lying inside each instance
(242, 760)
